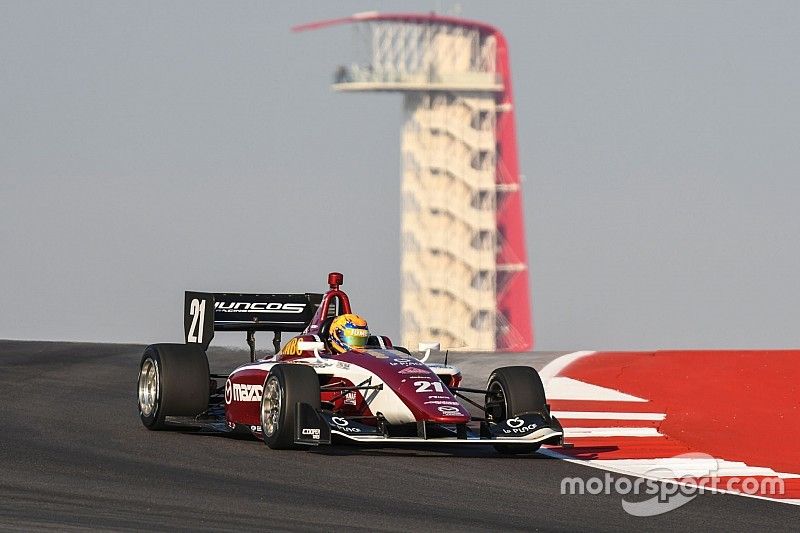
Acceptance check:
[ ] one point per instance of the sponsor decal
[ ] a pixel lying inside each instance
(408, 370)
(355, 332)
(441, 402)
(344, 425)
(406, 362)
(314, 364)
(240, 392)
(342, 365)
(350, 398)
(447, 410)
(291, 347)
(514, 422)
(228, 392)
(434, 397)
(313, 432)
(517, 425)
(376, 355)
(255, 429)
(258, 307)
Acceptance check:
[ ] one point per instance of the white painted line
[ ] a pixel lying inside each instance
(554, 367)
(561, 388)
(611, 432)
(750, 471)
(608, 415)
(677, 467)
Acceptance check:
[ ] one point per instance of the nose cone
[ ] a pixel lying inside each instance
(416, 385)
(429, 399)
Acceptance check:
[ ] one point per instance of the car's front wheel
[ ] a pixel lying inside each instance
(285, 386)
(512, 391)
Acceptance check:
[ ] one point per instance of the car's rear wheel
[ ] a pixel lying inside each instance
(285, 386)
(512, 391)
(173, 381)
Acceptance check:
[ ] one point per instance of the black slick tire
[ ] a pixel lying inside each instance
(285, 386)
(173, 381)
(512, 391)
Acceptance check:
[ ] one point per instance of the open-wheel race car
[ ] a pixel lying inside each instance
(335, 380)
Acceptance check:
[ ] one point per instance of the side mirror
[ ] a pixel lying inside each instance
(427, 347)
(316, 346)
(309, 346)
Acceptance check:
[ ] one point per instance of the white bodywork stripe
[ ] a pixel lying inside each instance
(262, 365)
(384, 401)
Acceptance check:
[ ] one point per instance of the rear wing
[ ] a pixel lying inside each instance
(206, 312)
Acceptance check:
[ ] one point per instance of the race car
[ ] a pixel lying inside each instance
(335, 381)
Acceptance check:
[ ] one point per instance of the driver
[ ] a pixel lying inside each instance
(347, 332)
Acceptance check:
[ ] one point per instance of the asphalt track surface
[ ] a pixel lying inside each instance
(74, 455)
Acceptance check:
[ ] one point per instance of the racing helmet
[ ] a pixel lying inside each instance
(348, 331)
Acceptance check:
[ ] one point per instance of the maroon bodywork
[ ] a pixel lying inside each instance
(416, 385)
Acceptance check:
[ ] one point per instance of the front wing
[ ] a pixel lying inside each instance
(315, 427)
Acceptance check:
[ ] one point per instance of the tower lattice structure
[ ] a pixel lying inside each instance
(464, 263)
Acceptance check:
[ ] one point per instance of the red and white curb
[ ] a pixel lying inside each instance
(620, 432)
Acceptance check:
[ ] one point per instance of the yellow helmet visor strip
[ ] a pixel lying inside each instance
(357, 338)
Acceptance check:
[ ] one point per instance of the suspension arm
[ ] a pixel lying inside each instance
(354, 387)
(467, 389)
(476, 404)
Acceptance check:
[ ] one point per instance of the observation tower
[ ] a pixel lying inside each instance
(464, 264)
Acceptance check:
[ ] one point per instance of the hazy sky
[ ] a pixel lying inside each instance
(152, 147)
